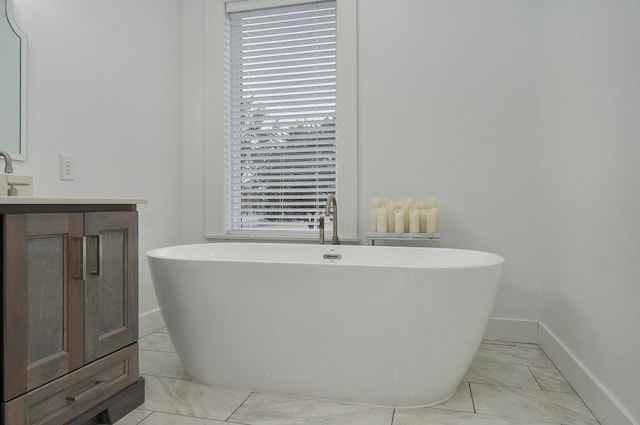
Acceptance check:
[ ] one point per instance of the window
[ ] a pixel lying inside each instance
(282, 115)
(282, 118)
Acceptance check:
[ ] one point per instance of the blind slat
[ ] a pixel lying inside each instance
(308, 29)
(247, 153)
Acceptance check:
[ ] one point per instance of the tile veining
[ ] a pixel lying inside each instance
(274, 409)
(188, 398)
(522, 403)
(506, 384)
(511, 375)
(157, 341)
(525, 354)
(550, 379)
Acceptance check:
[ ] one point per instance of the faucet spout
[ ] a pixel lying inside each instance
(331, 203)
(8, 167)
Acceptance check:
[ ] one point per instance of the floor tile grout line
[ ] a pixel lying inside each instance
(239, 406)
(473, 403)
(561, 374)
(514, 364)
(145, 418)
(205, 418)
(587, 406)
(513, 417)
(520, 360)
(515, 387)
(535, 378)
(173, 413)
(574, 390)
(494, 342)
(168, 377)
(553, 391)
(523, 388)
(156, 351)
(520, 418)
(543, 391)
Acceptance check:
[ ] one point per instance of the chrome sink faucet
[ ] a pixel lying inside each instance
(8, 167)
(331, 202)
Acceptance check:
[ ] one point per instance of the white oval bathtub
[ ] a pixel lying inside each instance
(390, 326)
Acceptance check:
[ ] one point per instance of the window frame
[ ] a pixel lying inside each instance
(216, 178)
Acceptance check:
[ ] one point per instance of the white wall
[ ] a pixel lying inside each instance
(104, 85)
(193, 16)
(590, 180)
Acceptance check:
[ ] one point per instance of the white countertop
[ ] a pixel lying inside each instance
(38, 200)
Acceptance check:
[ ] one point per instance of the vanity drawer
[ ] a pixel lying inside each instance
(69, 396)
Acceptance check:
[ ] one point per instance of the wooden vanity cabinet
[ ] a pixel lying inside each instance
(69, 313)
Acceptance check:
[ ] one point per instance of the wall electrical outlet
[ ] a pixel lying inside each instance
(67, 168)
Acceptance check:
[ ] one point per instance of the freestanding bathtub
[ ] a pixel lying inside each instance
(389, 326)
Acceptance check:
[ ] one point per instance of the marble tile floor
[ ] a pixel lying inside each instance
(507, 384)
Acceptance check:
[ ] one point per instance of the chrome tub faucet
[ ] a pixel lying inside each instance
(331, 202)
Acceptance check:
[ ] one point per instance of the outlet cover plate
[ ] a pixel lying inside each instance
(67, 168)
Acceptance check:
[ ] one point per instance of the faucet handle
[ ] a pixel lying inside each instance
(321, 228)
(13, 190)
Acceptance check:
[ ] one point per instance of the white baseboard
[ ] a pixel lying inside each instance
(602, 403)
(150, 321)
(515, 330)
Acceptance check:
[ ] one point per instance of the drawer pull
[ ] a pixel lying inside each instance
(97, 384)
(83, 259)
(98, 269)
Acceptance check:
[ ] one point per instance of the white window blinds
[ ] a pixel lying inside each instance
(281, 139)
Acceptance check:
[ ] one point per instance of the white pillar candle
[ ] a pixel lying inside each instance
(381, 225)
(399, 221)
(431, 203)
(406, 208)
(423, 220)
(373, 220)
(414, 221)
(376, 203)
(432, 220)
(390, 209)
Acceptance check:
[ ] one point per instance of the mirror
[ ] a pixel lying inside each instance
(13, 84)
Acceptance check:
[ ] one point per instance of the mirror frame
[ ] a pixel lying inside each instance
(22, 155)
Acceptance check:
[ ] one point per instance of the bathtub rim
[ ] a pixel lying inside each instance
(496, 259)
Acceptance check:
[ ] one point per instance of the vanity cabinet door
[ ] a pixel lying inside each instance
(42, 299)
(111, 292)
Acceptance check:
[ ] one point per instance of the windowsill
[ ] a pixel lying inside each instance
(297, 238)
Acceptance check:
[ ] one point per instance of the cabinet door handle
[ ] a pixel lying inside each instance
(83, 259)
(98, 237)
(96, 385)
